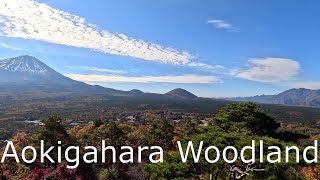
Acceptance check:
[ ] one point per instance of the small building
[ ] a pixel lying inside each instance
(131, 118)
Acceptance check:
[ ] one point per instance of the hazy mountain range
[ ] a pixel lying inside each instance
(297, 97)
(27, 72)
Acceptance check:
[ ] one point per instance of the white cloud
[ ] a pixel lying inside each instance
(195, 64)
(222, 24)
(270, 70)
(183, 79)
(29, 19)
(8, 46)
(97, 69)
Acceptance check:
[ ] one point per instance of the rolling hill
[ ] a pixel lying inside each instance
(181, 93)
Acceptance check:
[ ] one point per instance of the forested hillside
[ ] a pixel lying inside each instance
(236, 125)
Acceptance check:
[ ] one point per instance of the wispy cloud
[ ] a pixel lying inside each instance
(183, 79)
(272, 70)
(222, 24)
(32, 20)
(9, 47)
(196, 64)
(97, 69)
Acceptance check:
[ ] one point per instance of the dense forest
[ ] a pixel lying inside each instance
(236, 124)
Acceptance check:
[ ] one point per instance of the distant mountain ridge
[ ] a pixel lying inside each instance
(296, 97)
(28, 73)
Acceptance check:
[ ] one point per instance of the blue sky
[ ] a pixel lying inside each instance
(211, 48)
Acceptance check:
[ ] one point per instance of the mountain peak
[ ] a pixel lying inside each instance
(29, 70)
(25, 63)
(136, 92)
(180, 93)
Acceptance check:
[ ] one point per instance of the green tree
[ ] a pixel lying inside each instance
(184, 130)
(245, 117)
(161, 133)
(115, 134)
(235, 125)
(98, 122)
(51, 132)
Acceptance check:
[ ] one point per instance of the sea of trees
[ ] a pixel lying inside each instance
(236, 125)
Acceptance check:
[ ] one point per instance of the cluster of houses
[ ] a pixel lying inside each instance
(142, 118)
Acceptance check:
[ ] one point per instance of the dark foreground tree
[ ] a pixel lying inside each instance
(161, 133)
(235, 125)
(247, 118)
(51, 132)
